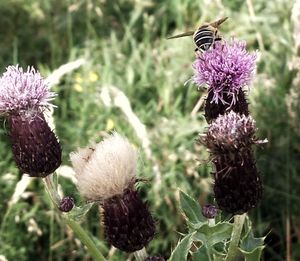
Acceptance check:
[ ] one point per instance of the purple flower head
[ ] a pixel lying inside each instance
(229, 132)
(23, 90)
(226, 69)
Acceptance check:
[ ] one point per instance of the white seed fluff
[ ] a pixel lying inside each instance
(106, 169)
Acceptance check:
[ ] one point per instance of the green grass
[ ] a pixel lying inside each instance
(124, 44)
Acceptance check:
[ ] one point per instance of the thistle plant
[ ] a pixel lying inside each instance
(24, 95)
(106, 174)
(226, 70)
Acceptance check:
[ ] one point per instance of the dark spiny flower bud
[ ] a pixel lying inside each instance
(106, 173)
(209, 211)
(154, 258)
(35, 147)
(238, 185)
(213, 110)
(24, 96)
(129, 225)
(229, 133)
(66, 204)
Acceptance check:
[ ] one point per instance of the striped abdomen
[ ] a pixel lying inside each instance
(205, 37)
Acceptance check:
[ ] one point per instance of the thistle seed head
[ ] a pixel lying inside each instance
(106, 169)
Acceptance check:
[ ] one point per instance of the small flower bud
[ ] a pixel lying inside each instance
(106, 173)
(209, 211)
(66, 204)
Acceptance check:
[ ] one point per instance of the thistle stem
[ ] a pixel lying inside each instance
(77, 229)
(51, 189)
(235, 236)
(85, 239)
(140, 255)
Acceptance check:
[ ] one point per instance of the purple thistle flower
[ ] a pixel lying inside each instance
(23, 90)
(229, 133)
(23, 96)
(226, 69)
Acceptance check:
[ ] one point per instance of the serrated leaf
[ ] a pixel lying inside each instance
(255, 255)
(191, 209)
(201, 254)
(78, 213)
(252, 247)
(182, 249)
(211, 235)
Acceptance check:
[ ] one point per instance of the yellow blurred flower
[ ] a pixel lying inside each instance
(78, 78)
(77, 87)
(93, 76)
(110, 124)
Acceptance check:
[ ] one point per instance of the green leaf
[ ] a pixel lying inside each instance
(201, 254)
(211, 235)
(191, 209)
(78, 213)
(182, 249)
(252, 247)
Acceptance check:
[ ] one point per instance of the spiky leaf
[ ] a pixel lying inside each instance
(211, 235)
(252, 247)
(191, 209)
(182, 249)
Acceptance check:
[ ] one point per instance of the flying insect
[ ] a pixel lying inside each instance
(205, 36)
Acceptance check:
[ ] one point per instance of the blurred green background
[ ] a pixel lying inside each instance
(128, 59)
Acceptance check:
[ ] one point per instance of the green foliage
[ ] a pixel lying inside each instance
(124, 44)
(182, 249)
(213, 238)
(252, 247)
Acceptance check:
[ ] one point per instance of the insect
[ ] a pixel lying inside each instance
(205, 36)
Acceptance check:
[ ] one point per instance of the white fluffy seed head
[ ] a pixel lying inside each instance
(106, 169)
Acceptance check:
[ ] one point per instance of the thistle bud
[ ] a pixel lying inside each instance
(23, 97)
(209, 211)
(238, 185)
(106, 173)
(66, 204)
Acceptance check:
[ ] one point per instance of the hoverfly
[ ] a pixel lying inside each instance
(205, 36)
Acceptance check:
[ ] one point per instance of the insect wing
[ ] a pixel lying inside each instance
(181, 35)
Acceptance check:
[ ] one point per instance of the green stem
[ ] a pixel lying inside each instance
(235, 237)
(85, 239)
(51, 189)
(77, 229)
(140, 255)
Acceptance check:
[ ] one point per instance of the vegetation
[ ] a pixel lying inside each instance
(124, 46)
